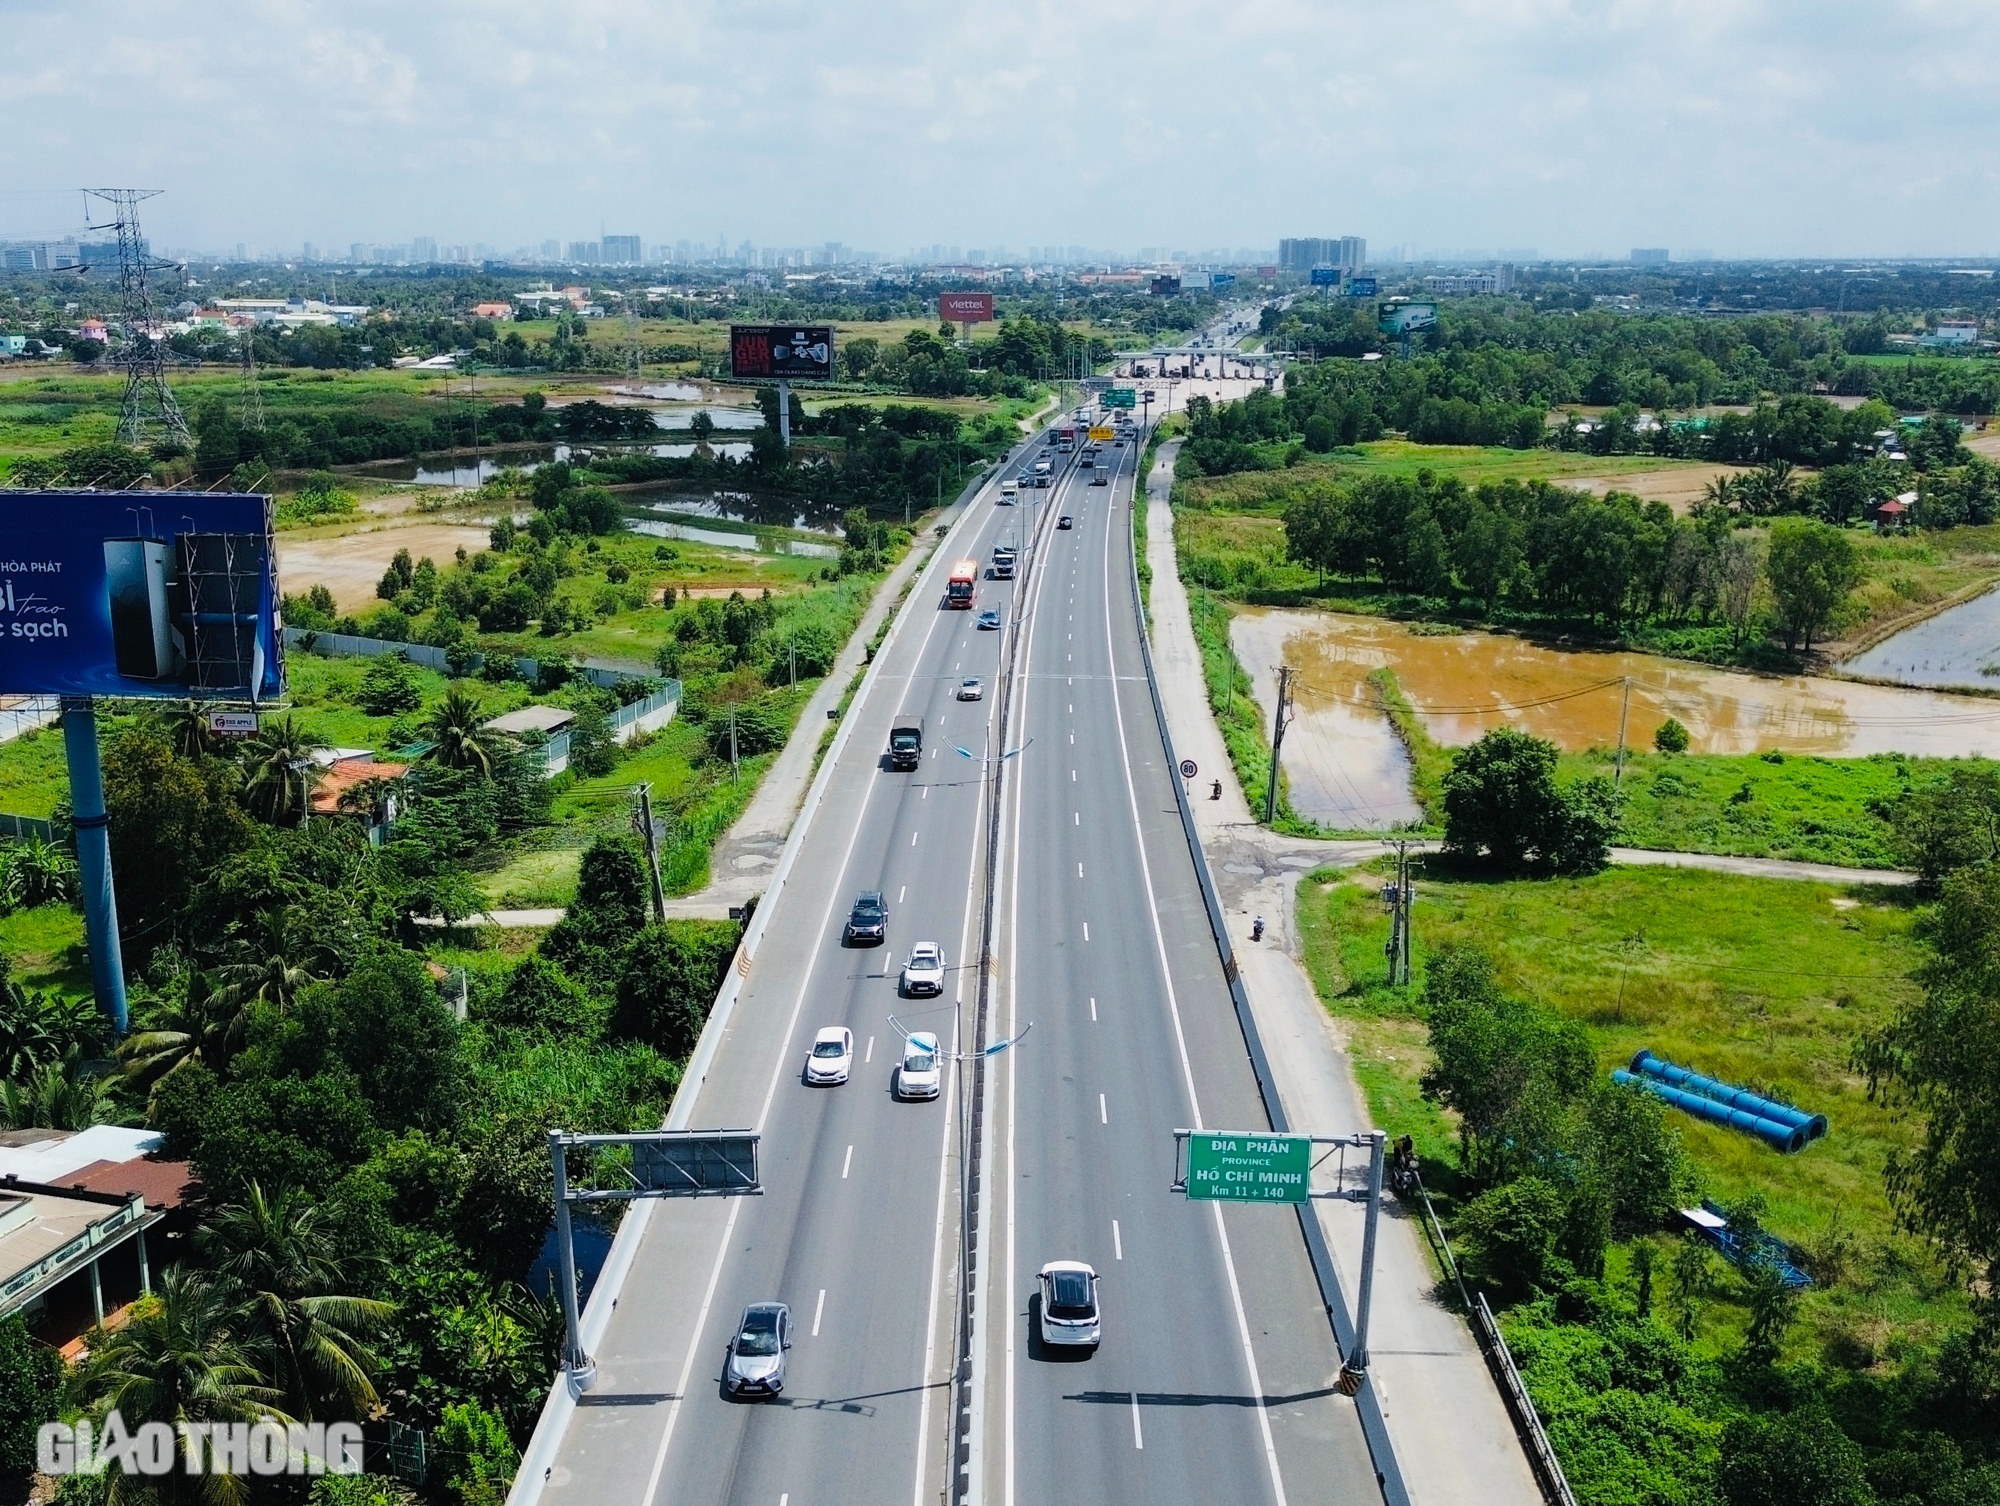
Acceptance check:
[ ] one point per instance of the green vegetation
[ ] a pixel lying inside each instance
(1664, 1375)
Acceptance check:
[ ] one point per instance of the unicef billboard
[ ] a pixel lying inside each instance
(155, 594)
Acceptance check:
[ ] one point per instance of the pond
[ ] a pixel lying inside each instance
(1347, 768)
(470, 471)
(1959, 646)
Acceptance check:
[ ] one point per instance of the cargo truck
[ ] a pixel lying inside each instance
(906, 742)
(958, 592)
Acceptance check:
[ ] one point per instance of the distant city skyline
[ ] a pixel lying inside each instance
(1758, 128)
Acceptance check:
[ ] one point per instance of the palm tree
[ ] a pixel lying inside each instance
(38, 1028)
(279, 1263)
(282, 772)
(270, 972)
(459, 739)
(60, 1095)
(194, 1031)
(189, 731)
(1719, 493)
(179, 1359)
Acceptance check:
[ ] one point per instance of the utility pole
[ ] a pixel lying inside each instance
(785, 414)
(793, 650)
(1277, 742)
(1400, 896)
(732, 743)
(645, 793)
(1624, 711)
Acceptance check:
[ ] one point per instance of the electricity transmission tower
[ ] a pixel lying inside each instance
(253, 395)
(149, 409)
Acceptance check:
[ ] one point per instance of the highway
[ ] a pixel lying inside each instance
(1215, 1379)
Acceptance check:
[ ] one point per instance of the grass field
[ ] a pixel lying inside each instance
(1762, 982)
(44, 948)
(1259, 490)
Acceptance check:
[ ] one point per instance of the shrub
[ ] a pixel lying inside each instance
(389, 687)
(1671, 737)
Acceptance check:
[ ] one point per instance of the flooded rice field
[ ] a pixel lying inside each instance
(1346, 767)
(1959, 646)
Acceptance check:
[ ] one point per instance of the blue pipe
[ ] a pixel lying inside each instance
(1742, 1098)
(1784, 1137)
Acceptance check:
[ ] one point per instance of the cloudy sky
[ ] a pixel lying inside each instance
(1747, 127)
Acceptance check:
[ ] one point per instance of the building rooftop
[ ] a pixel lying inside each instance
(345, 775)
(532, 719)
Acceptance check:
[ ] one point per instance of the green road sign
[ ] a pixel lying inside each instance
(1122, 397)
(1249, 1168)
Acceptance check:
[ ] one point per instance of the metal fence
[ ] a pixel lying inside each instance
(20, 714)
(20, 828)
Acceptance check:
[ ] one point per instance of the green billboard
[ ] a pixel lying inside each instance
(1249, 1168)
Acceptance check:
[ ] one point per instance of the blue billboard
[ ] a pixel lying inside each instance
(147, 593)
(1326, 277)
(1361, 287)
(1221, 281)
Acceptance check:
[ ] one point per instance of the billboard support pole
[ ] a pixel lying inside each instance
(785, 413)
(581, 1369)
(93, 859)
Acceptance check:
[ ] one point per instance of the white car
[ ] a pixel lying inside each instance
(922, 1068)
(832, 1055)
(970, 689)
(1069, 1304)
(923, 974)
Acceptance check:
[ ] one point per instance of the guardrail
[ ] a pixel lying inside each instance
(1548, 1470)
(1368, 1405)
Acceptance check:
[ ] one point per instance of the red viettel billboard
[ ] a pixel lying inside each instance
(965, 308)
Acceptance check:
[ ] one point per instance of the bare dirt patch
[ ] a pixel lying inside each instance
(349, 564)
(1679, 486)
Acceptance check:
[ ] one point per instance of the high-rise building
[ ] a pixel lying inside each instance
(621, 250)
(1303, 253)
(1649, 256)
(585, 253)
(423, 248)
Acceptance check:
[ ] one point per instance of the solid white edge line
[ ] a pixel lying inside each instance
(801, 825)
(1023, 672)
(1187, 1070)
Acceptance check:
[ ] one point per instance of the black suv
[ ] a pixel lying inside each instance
(868, 921)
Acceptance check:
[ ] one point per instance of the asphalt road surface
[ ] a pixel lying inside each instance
(1215, 1380)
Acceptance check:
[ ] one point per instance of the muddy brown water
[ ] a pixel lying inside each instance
(1346, 767)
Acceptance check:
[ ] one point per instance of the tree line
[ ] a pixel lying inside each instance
(1532, 551)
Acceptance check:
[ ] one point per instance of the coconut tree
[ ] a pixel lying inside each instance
(275, 1257)
(282, 772)
(271, 970)
(189, 731)
(193, 1031)
(62, 1095)
(459, 738)
(180, 1358)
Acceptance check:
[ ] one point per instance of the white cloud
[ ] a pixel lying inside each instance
(1752, 126)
